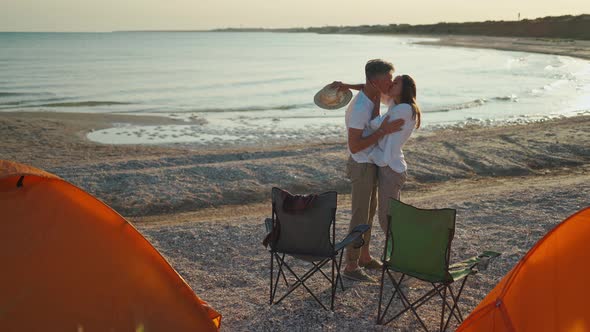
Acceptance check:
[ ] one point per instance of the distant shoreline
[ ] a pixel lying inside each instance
(573, 48)
(566, 27)
(551, 27)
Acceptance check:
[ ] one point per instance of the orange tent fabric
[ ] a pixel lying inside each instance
(548, 290)
(71, 263)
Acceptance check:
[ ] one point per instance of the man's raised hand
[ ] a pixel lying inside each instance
(338, 85)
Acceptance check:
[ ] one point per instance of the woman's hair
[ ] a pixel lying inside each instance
(408, 96)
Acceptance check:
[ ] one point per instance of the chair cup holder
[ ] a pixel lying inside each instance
(483, 263)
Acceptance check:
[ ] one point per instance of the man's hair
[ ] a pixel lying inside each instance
(377, 67)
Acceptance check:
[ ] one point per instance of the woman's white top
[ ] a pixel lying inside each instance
(388, 151)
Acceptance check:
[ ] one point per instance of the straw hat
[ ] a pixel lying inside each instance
(331, 98)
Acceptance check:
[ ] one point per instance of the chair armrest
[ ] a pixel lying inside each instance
(352, 237)
(480, 261)
(268, 225)
(485, 258)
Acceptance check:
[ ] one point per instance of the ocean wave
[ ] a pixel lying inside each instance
(237, 84)
(84, 104)
(20, 94)
(461, 106)
(474, 103)
(512, 98)
(247, 108)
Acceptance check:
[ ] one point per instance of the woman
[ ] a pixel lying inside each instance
(388, 154)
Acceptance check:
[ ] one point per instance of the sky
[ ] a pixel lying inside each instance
(112, 15)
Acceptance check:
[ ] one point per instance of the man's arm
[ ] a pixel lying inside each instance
(357, 143)
(385, 99)
(344, 86)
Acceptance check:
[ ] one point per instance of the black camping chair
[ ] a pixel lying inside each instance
(304, 228)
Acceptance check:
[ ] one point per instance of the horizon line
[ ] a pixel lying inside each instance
(290, 28)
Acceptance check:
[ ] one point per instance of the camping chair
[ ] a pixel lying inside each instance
(418, 245)
(306, 231)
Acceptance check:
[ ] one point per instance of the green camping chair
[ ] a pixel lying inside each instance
(418, 245)
(306, 232)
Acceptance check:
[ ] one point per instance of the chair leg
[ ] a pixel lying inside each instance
(301, 282)
(458, 309)
(317, 267)
(444, 302)
(444, 299)
(271, 273)
(281, 272)
(379, 319)
(440, 289)
(426, 297)
(322, 272)
(410, 306)
(413, 306)
(339, 269)
(456, 300)
(334, 285)
(393, 281)
(280, 262)
(337, 265)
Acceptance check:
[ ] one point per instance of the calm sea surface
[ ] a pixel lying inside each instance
(247, 85)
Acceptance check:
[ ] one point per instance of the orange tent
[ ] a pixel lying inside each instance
(548, 290)
(71, 263)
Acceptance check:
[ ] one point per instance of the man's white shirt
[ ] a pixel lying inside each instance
(358, 116)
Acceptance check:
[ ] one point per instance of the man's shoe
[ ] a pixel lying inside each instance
(357, 275)
(373, 264)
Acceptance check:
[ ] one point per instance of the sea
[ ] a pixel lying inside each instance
(240, 87)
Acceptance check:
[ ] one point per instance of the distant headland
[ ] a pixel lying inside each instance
(562, 27)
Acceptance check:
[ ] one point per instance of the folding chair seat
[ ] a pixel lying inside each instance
(303, 228)
(418, 245)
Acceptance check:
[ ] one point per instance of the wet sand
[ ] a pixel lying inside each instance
(140, 180)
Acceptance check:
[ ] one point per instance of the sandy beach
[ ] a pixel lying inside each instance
(203, 207)
(566, 47)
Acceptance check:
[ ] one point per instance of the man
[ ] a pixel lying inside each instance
(363, 173)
